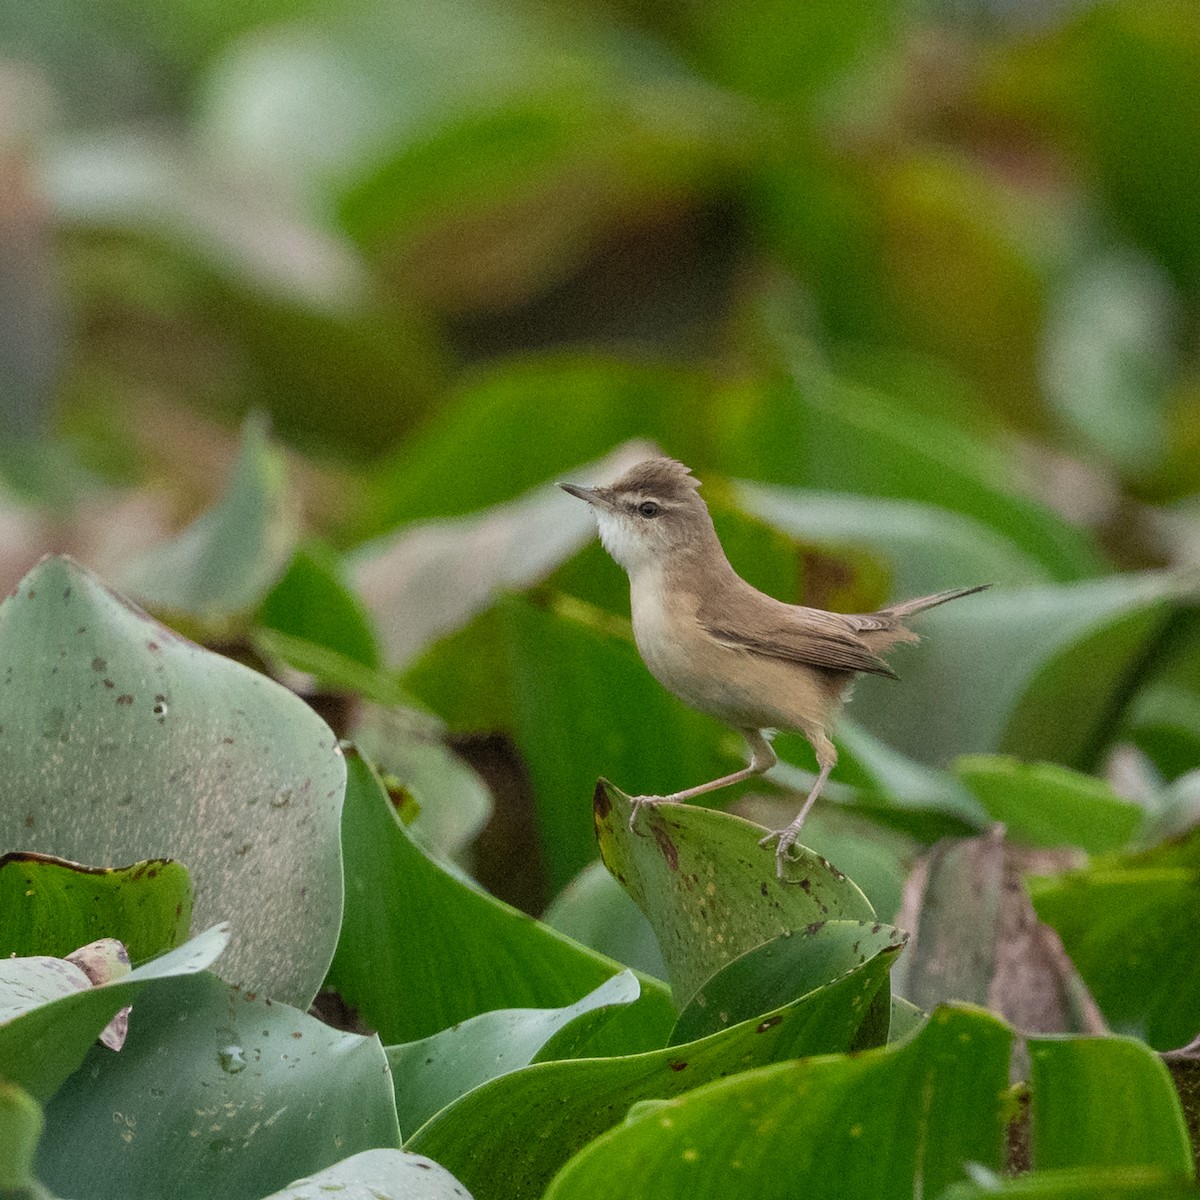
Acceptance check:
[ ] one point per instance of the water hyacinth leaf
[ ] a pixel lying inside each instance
(432, 578)
(629, 727)
(594, 909)
(20, 1126)
(377, 1175)
(403, 909)
(433, 1072)
(1084, 1183)
(1128, 925)
(785, 968)
(1043, 804)
(236, 1094)
(226, 560)
(50, 1014)
(822, 433)
(1104, 1101)
(925, 547)
(887, 1124)
(708, 888)
(1035, 669)
(125, 742)
(49, 905)
(508, 1137)
(312, 602)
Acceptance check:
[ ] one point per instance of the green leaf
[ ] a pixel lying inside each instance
(926, 548)
(311, 602)
(123, 741)
(1036, 671)
(409, 745)
(225, 561)
(49, 1017)
(889, 1123)
(402, 912)
(508, 431)
(1087, 1183)
(20, 1127)
(629, 727)
(430, 579)
(1127, 924)
(377, 1175)
(708, 889)
(831, 437)
(594, 909)
(1105, 1102)
(51, 906)
(781, 970)
(433, 1072)
(1041, 804)
(215, 1093)
(508, 1137)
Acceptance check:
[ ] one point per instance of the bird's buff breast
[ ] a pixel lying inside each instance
(723, 682)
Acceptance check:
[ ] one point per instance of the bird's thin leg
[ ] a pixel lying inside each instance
(826, 760)
(762, 759)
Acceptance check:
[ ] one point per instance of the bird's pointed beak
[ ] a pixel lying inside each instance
(591, 495)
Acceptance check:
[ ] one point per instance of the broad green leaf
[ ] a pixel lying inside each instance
(1042, 804)
(708, 889)
(509, 430)
(1164, 722)
(409, 745)
(585, 706)
(51, 906)
(1085, 1183)
(430, 579)
(1105, 1102)
(509, 1136)
(1031, 671)
(926, 548)
(312, 602)
(377, 1175)
(1128, 925)
(783, 969)
(124, 741)
(403, 910)
(889, 1123)
(822, 434)
(594, 909)
(215, 1093)
(329, 668)
(49, 1018)
(20, 1126)
(226, 560)
(435, 1071)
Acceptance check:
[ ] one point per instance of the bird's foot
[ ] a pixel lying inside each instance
(640, 802)
(785, 839)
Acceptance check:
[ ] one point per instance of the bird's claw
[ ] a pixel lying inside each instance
(640, 802)
(785, 850)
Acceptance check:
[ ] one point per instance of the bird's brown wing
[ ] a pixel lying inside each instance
(807, 636)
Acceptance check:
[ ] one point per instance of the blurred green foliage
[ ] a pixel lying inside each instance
(913, 285)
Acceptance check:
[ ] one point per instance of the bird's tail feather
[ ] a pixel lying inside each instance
(908, 608)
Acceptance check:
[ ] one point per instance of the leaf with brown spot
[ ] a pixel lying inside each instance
(714, 895)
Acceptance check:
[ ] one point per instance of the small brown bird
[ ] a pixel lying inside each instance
(724, 647)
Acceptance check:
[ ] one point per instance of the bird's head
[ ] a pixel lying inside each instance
(650, 515)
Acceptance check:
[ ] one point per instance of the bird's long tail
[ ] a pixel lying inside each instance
(908, 608)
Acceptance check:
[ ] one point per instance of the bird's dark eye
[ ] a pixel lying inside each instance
(648, 508)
